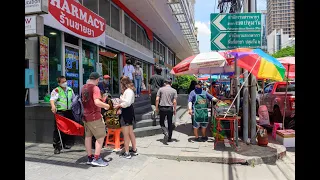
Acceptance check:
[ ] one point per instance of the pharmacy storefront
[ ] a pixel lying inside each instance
(70, 46)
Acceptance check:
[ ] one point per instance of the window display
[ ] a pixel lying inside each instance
(72, 68)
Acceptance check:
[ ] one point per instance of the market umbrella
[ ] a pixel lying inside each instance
(289, 64)
(203, 63)
(259, 63)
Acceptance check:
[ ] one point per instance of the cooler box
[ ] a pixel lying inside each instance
(286, 137)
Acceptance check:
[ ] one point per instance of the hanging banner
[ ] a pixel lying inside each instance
(44, 60)
(71, 17)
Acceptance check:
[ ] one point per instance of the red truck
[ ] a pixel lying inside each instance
(274, 98)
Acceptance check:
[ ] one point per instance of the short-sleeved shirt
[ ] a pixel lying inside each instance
(192, 96)
(128, 70)
(167, 94)
(55, 93)
(156, 81)
(91, 92)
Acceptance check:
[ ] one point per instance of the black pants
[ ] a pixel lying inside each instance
(166, 111)
(66, 139)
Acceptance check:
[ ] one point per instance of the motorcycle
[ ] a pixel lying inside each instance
(291, 124)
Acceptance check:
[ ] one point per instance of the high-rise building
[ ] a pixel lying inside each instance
(280, 15)
(264, 29)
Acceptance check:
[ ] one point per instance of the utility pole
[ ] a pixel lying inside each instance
(253, 84)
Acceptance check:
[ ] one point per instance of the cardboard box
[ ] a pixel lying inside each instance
(286, 137)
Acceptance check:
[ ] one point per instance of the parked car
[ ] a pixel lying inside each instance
(274, 98)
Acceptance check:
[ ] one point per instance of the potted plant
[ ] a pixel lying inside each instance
(262, 136)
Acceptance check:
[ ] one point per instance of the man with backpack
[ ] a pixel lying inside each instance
(198, 109)
(61, 101)
(92, 118)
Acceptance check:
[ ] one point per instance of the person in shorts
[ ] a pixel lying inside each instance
(191, 102)
(127, 116)
(93, 121)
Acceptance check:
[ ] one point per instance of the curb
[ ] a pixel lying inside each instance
(224, 157)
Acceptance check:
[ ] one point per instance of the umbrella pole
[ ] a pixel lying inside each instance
(285, 99)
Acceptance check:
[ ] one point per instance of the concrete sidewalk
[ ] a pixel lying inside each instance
(184, 149)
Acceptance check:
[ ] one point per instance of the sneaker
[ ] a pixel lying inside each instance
(125, 155)
(56, 151)
(135, 153)
(197, 139)
(204, 139)
(90, 159)
(99, 162)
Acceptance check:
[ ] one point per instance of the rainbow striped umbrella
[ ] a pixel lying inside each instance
(259, 63)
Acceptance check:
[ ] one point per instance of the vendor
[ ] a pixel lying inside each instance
(104, 86)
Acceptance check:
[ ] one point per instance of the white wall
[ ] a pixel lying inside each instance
(33, 64)
(272, 44)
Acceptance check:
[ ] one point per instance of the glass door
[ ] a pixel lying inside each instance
(72, 67)
(110, 67)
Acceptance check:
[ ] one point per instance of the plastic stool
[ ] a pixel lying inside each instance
(276, 126)
(115, 140)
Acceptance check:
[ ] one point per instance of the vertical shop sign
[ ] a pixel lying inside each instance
(44, 60)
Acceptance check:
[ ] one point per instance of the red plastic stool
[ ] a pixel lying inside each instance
(115, 140)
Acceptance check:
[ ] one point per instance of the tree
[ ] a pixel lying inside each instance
(284, 52)
(183, 82)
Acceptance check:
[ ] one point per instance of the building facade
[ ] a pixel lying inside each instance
(82, 36)
(280, 15)
(278, 40)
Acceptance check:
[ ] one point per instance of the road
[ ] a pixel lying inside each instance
(42, 164)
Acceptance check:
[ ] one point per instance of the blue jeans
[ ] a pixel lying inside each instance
(137, 84)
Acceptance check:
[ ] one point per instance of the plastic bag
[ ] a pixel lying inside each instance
(143, 86)
(175, 120)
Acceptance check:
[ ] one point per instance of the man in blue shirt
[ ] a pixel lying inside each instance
(191, 102)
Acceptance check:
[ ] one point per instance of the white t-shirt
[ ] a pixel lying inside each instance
(128, 70)
(127, 98)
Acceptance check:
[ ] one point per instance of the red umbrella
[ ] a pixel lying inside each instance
(68, 126)
(203, 63)
(289, 64)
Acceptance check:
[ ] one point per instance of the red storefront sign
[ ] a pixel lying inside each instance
(71, 17)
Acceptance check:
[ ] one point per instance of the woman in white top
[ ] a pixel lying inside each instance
(128, 69)
(127, 116)
(138, 78)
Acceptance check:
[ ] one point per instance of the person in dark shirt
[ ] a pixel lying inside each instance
(192, 86)
(104, 86)
(156, 82)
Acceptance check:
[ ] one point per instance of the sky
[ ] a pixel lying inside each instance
(203, 8)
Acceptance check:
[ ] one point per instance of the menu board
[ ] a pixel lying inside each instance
(44, 60)
(72, 68)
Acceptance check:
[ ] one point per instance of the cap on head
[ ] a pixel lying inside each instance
(94, 76)
(106, 77)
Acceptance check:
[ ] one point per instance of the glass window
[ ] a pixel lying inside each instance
(104, 10)
(91, 4)
(148, 44)
(133, 31)
(68, 38)
(89, 59)
(72, 68)
(144, 39)
(115, 17)
(54, 61)
(154, 45)
(139, 34)
(127, 25)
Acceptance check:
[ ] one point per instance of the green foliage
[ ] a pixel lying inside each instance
(183, 82)
(284, 52)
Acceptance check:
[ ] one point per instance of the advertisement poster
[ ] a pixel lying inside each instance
(72, 68)
(44, 60)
